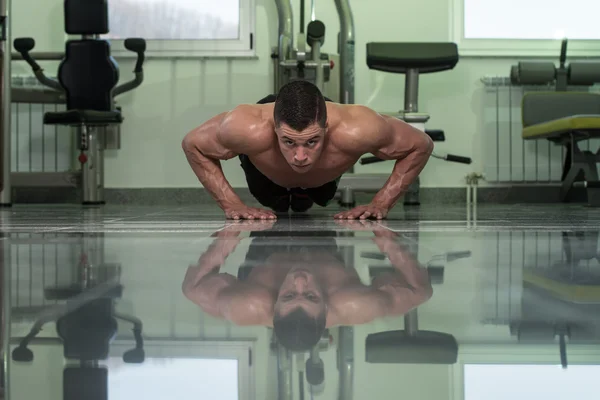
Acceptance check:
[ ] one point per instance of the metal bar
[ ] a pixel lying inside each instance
(55, 142)
(29, 144)
(5, 309)
(285, 40)
(43, 141)
(346, 50)
(17, 135)
(46, 179)
(497, 134)
(5, 106)
(41, 56)
(510, 133)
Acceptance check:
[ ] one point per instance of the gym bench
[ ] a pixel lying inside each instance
(564, 117)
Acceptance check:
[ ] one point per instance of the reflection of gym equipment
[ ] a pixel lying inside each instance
(411, 345)
(571, 280)
(87, 76)
(297, 63)
(86, 319)
(86, 324)
(411, 59)
(560, 302)
(564, 117)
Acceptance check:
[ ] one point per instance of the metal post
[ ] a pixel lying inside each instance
(320, 71)
(5, 104)
(346, 362)
(285, 39)
(92, 169)
(285, 378)
(411, 92)
(411, 323)
(5, 301)
(346, 50)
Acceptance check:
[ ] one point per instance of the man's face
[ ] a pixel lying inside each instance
(300, 289)
(301, 149)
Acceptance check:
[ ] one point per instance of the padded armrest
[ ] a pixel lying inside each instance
(83, 117)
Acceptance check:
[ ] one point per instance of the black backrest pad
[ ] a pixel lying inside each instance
(86, 17)
(539, 107)
(88, 74)
(399, 57)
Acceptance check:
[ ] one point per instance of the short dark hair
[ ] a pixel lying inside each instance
(298, 331)
(300, 104)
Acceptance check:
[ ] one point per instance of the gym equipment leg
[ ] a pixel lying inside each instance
(92, 166)
(583, 166)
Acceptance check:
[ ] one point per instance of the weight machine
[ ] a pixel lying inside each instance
(293, 63)
(87, 83)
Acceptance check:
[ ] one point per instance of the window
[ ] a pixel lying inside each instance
(184, 28)
(182, 369)
(523, 371)
(525, 27)
(525, 382)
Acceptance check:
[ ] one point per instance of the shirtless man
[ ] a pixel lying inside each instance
(303, 288)
(295, 146)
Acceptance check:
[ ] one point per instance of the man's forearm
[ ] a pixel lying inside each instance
(210, 174)
(405, 172)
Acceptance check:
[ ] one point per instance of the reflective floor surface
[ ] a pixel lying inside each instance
(494, 302)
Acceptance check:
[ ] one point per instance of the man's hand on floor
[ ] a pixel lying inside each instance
(242, 211)
(369, 211)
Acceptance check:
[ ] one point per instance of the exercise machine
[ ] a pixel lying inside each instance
(564, 117)
(87, 77)
(412, 60)
(293, 61)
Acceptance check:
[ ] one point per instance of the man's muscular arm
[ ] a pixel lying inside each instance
(410, 147)
(221, 138)
(389, 139)
(390, 294)
(221, 295)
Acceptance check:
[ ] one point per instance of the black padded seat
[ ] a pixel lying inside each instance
(399, 57)
(83, 117)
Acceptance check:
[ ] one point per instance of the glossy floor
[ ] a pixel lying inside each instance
(433, 303)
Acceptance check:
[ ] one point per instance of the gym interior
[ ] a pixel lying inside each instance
(487, 270)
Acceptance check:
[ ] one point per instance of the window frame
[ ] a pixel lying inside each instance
(512, 47)
(501, 354)
(242, 351)
(243, 47)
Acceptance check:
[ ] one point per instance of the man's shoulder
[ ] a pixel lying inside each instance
(357, 127)
(247, 129)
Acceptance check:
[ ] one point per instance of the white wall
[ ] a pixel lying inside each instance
(179, 95)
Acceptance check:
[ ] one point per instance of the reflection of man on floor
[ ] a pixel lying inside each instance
(300, 285)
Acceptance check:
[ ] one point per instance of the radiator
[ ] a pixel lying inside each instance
(37, 147)
(507, 158)
(510, 254)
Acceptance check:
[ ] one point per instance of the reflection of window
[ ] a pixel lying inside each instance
(515, 27)
(182, 369)
(185, 27)
(174, 378)
(525, 382)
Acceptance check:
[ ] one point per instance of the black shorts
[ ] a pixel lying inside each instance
(269, 194)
